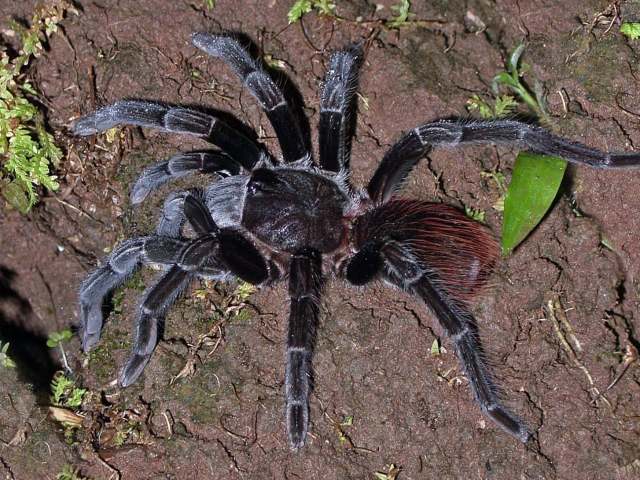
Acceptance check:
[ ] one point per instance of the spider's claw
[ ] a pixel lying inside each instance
(297, 425)
(509, 422)
(89, 340)
(133, 369)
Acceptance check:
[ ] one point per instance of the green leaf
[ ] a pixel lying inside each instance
(631, 30)
(402, 14)
(514, 58)
(435, 348)
(325, 7)
(534, 184)
(56, 338)
(298, 10)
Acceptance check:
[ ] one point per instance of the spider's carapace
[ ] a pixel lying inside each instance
(292, 209)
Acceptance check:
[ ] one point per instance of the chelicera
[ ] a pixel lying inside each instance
(268, 219)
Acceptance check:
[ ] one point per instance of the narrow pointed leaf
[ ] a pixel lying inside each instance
(534, 184)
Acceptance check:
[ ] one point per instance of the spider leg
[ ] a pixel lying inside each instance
(172, 217)
(120, 265)
(337, 109)
(459, 325)
(156, 301)
(403, 270)
(407, 152)
(180, 165)
(262, 87)
(172, 119)
(304, 291)
(210, 251)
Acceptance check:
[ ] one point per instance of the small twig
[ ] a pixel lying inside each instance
(630, 356)
(555, 313)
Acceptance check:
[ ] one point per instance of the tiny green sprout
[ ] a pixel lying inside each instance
(69, 472)
(511, 78)
(273, 62)
(500, 181)
(503, 105)
(65, 393)
(298, 9)
(402, 15)
(391, 473)
(5, 360)
(475, 213)
(435, 348)
(243, 291)
(347, 421)
(302, 7)
(55, 339)
(631, 30)
(209, 4)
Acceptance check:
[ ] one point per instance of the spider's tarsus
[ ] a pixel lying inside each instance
(132, 370)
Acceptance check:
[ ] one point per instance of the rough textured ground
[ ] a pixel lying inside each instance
(409, 408)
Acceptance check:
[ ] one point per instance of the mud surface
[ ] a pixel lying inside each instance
(373, 364)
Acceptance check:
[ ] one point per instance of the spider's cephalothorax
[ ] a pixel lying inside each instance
(267, 219)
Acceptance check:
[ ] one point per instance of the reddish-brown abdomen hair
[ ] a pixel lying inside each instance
(459, 250)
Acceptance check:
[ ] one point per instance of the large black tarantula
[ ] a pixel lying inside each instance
(267, 219)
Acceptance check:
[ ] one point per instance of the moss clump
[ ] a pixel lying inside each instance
(27, 150)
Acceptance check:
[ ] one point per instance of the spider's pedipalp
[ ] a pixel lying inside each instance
(305, 282)
(199, 217)
(337, 109)
(407, 152)
(172, 119)
(180, 165)
(262, 87)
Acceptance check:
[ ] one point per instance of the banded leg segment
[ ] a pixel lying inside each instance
(337, 107)
(172, 119)
(180, 165)
(304, 290)
(120, 265)
(459, 325)
(262, 87)
(407, 152)
(155, 303)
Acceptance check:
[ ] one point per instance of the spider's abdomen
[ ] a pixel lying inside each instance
(293, 209)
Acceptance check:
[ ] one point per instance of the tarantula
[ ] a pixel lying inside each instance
(269, 218)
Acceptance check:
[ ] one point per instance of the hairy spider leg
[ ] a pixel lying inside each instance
(407, 152)
(435, 252)
(338, 109)
(460, 327)
(173, 119)
(155, 302)
(172, 217)
(262, 87)
(305, 283)
(158, 298)
(180, 165)
(120, 265)
(214, 253)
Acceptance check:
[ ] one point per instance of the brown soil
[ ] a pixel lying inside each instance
(373, 361)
